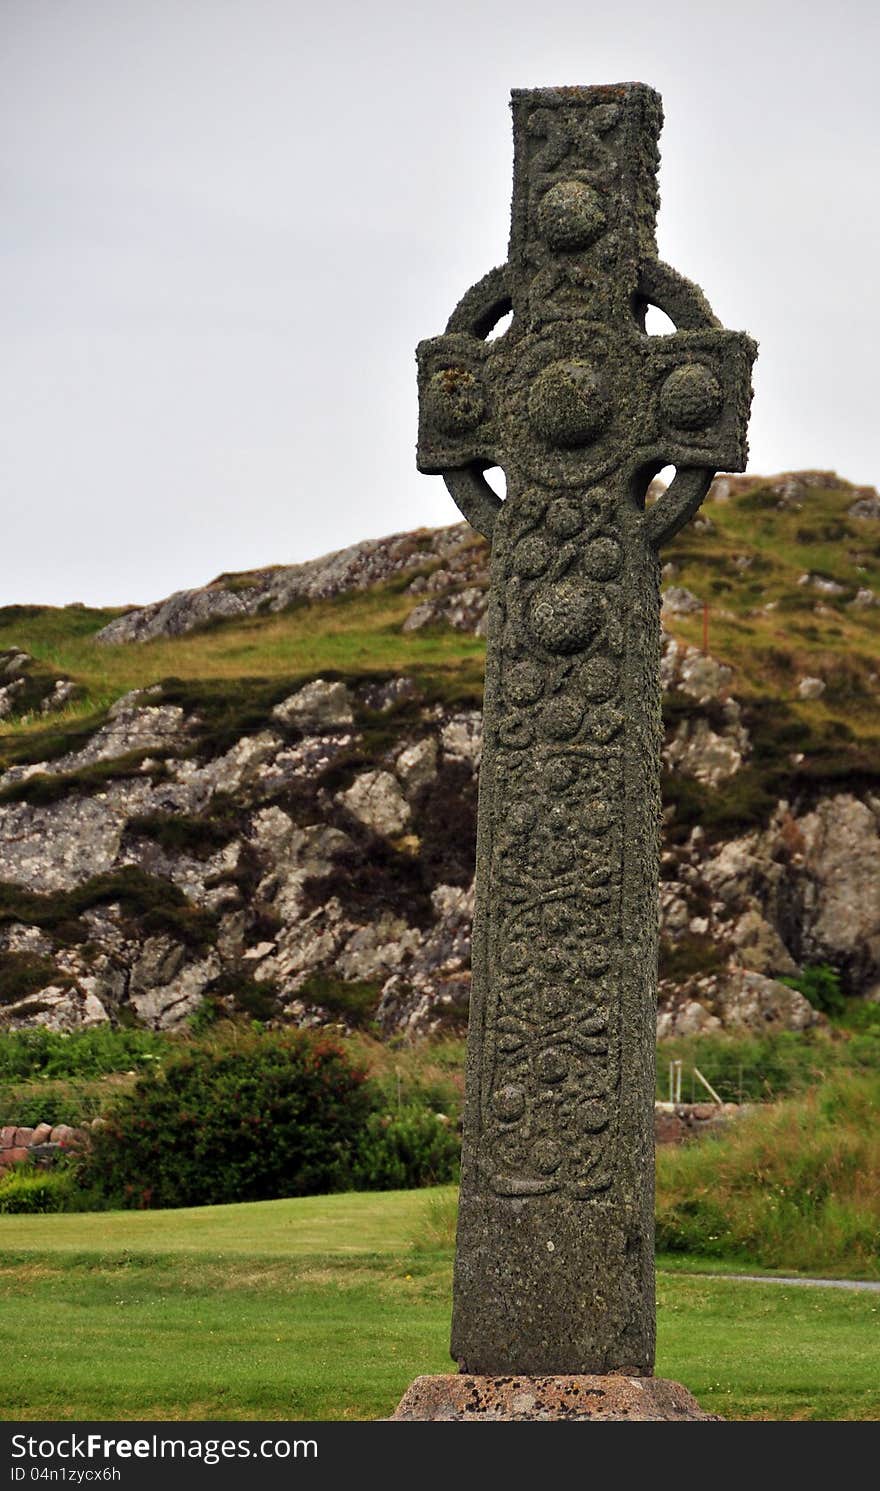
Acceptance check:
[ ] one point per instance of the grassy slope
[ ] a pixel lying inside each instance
(327, 1307)
(753, 555)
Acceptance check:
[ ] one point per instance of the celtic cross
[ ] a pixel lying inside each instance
(554, 1262)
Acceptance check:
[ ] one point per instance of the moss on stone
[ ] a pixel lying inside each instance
(690, 956)
(199, 836)
(370, 877)
(43, 788)
(22, 974)
(354, 1003)
(156, 905)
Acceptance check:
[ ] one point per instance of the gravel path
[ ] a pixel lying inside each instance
(871, 1285)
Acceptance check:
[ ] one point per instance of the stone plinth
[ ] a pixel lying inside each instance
(464, 1398)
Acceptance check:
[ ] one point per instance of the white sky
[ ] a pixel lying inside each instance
(226, 224)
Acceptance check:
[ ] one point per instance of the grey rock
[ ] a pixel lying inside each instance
(759, 947)
(14, 662)
(130, 726)
(317, 706)
(296, 855)
(416, 766)
(56, 1008)
(159, 961)
(356, 568)
(685, 1017)
(680, 601)
(693, 673)
(62, 692)
(165, 1002)
(238, 768)
(752, 1002)
(384, 696)
(841, 919)
(465, 610)
(675, 913)
(180, 613)
(59, 846)
(8, 696)
(17, 937)
(308, 945)
(811, 688)
(255, 954)
(865, 507)
(701, 752)
(432, 991)
(371, 952)
(422, 615)
(462, 737)
(375, 798)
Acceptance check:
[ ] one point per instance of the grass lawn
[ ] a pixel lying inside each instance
(327, 1307)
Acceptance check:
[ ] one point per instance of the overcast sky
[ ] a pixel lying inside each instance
(226, 223)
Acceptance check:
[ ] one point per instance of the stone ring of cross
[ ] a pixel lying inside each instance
(477, 315)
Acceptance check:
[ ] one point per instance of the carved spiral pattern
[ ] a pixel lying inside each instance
(552, 1071)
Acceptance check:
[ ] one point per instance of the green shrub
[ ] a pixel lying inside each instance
(28, 1190)
(820, 985)
(258, 1116)
(412, 1148)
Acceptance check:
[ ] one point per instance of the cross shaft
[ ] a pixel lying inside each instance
(554, 1264)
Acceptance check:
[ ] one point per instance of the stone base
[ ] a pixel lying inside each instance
(462, 1398)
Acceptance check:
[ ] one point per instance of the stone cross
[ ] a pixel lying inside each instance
(554, 1262)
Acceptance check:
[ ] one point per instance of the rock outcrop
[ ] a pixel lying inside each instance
(315, 864)
(448, 566)
(306, 876)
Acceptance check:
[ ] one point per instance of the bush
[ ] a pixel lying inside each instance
(27, 1190)
(412, 1148)
(820, 986)
(258, 1116)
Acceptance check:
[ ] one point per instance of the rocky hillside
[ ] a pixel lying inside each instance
(260, 795)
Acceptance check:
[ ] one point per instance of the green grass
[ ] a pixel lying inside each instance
(795, 1187)
(327, 1307)
(355, 634)
(361, 1224)
(760, 1068)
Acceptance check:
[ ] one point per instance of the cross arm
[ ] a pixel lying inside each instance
(698, 397)
(456, 427)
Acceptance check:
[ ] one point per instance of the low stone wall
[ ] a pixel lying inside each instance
(41, 1143)
(675, 1122)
